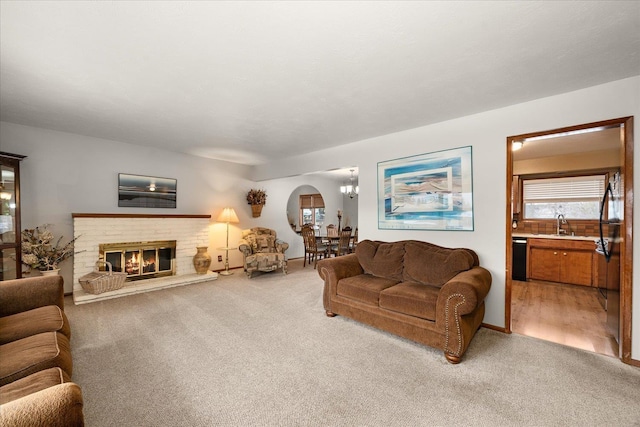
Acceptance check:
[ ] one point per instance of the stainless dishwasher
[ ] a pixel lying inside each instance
(519, 258)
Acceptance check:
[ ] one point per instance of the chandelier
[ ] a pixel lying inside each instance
(350, 190)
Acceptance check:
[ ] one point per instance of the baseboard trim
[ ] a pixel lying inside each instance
(495, 328)
(633, 362)
(218, 270)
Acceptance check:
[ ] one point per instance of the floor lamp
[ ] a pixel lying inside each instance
(229, 216)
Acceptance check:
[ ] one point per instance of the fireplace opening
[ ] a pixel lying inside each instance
(141, 260)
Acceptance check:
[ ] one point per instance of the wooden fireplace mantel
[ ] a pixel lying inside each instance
(114, 215)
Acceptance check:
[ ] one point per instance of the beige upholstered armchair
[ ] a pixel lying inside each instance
(262, 251)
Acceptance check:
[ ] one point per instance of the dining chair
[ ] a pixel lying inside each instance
(332, 231)
(312, 248)
(354, 241)
(341, 247)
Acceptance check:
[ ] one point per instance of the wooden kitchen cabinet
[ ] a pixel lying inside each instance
(516, 201)
(576, 267)
(561, 260)
(544, 264)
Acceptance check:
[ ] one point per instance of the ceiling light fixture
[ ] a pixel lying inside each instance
(350, 190)
(568, 133)
(516, 145)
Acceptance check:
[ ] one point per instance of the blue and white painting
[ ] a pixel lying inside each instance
(427, 192)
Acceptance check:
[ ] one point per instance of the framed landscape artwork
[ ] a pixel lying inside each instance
(432, 191)
(137, 191)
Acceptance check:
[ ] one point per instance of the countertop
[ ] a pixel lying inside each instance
(554, 236)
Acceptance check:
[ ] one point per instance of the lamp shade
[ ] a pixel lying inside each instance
(228, 215)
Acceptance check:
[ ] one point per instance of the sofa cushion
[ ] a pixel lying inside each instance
(18, 295)
(414, 299)
(364, 287)
(43, 319)
(261, 242)
(32, 383)
(265, 243)
(56, 406)
(381, 259)
(434, 265)
(26, 356)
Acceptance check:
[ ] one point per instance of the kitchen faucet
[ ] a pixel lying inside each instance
(560, 221)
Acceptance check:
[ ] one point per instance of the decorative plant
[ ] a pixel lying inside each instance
(256, 197)
(39, 252)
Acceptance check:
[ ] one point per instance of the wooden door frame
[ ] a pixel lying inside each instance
(626, 251)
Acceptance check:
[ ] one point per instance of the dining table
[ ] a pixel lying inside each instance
(327, 240)
(322, 238)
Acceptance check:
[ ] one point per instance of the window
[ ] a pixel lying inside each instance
(575, 197)
(312, 210)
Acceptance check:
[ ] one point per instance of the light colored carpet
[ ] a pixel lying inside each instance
(261, 352)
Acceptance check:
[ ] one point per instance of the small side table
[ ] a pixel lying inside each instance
(226, 271)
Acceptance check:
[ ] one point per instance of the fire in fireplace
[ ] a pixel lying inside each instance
(141, 260)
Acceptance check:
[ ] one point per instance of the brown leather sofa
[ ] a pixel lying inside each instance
(424, 292)
(35, 355)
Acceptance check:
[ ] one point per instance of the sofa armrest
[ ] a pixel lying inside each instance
(460, 308)
(245, 247)
(58, 406)
(18, 295)
(468, 287)
(332, 270)
(281, 246)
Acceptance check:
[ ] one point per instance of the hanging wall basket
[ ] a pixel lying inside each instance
(256, 210)
(256, 198)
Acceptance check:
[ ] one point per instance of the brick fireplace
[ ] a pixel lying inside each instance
(117, 236)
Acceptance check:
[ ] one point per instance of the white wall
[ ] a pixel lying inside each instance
(350, 212)
(486, 133)
(66, 173)
(71, 173)
(274, 213)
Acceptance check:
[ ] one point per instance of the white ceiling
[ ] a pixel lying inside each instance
(248, 82)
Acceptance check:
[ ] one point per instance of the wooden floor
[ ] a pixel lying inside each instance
(564, 314)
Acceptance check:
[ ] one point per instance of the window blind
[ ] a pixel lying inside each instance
(318, 201)
(573, 188)
(311, 201)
